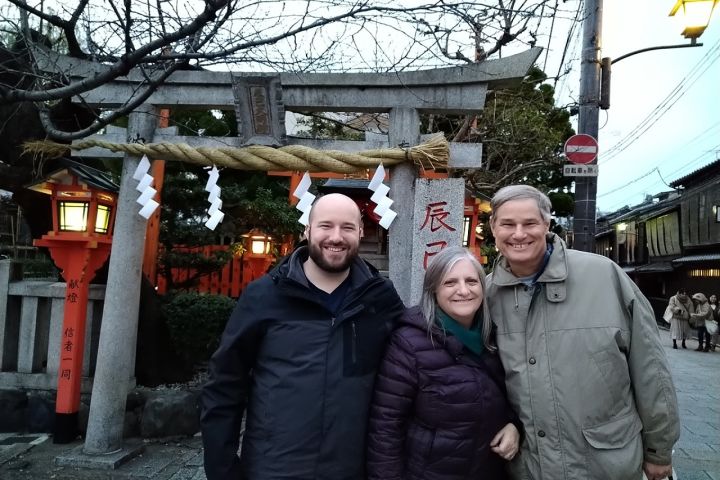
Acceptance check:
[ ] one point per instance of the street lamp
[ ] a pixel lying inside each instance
(595, 95)
(83, 210)
(696, 14)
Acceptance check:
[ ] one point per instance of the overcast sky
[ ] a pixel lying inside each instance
(677, 91)
(664, 120)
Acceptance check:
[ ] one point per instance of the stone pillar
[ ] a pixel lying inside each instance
(430, 213)
(439, 211)
(404, 129)
(5, 277)
(118, 332)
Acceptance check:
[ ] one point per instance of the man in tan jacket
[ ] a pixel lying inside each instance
(584, 366)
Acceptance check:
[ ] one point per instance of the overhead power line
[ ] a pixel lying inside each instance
(630, 182)
(676, 94)
(686, 167)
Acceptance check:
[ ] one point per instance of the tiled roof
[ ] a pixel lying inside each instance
(696, 175)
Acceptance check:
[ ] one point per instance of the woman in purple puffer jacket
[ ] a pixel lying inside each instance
(440, 410)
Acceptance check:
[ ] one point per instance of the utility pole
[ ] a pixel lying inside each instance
(586, 187)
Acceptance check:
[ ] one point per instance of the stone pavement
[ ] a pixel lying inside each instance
(180, 459)
(697, 382)
(697, 454)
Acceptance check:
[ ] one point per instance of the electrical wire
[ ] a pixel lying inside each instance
(676, 94)
(571, 33)
(552, 27)
(687, 167)
(672, 156)
(642, 128)
(635, 180)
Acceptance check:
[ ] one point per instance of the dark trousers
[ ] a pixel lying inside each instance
(703, 333)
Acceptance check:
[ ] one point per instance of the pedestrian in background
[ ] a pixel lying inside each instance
(440, 410)
(713, 301)
(299, 356)
(584, 366)
(680, 307)
(702, 313)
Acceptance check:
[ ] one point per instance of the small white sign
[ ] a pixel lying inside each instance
(380, 192)
(142, 168)
(305, 218)
(383, 206)
(577, 170)
(377, 178)
(213, 177)
(387, 219)
(145, 181)
(214, 219)
(215, 205)
(305, 202)
(214, 193)
(148, 209)
(146, 195)
(302, 186)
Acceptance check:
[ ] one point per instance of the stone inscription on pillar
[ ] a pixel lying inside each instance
(439, 207)
(259, 110)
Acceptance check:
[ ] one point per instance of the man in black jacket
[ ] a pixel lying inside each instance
(299, 356)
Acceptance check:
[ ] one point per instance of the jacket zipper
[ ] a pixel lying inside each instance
(291, 288)
(354, 342)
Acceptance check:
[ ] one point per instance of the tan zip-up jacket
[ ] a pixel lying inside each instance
(585, 370)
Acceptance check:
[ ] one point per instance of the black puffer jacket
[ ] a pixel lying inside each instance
(436, 408)
(309, 392)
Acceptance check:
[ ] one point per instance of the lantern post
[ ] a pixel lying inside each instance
(79, 244)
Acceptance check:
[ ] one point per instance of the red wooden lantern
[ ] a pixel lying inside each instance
(83, 213)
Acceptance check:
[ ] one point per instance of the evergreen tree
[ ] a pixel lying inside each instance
(250, 200)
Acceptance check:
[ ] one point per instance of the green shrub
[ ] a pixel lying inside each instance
(196, 322)
(36, 268)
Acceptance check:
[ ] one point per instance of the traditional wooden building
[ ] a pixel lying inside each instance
(671, 241)
(698, 269)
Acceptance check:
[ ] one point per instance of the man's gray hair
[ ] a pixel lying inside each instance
(436, 272)
(522, 192)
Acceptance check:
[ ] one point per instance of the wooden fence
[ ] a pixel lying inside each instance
(228, 281)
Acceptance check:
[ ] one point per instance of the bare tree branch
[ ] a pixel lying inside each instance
(122, 67)
(295, 35)
(136, 101)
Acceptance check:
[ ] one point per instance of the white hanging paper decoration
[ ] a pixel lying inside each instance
(216, 215)
(306, 199)
(147, 192)
(387, 215)
(142, 168)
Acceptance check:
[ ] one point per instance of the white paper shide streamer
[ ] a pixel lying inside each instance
(216, 215)
(147, 192)
(387, 215)
(306, 199)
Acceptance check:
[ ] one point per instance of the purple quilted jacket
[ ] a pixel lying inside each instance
(435, 409)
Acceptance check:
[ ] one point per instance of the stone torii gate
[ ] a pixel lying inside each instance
(430, 212)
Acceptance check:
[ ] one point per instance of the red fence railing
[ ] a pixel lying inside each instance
(227, 281)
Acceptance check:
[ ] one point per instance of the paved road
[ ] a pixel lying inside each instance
(697, 454)
(697, 382)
